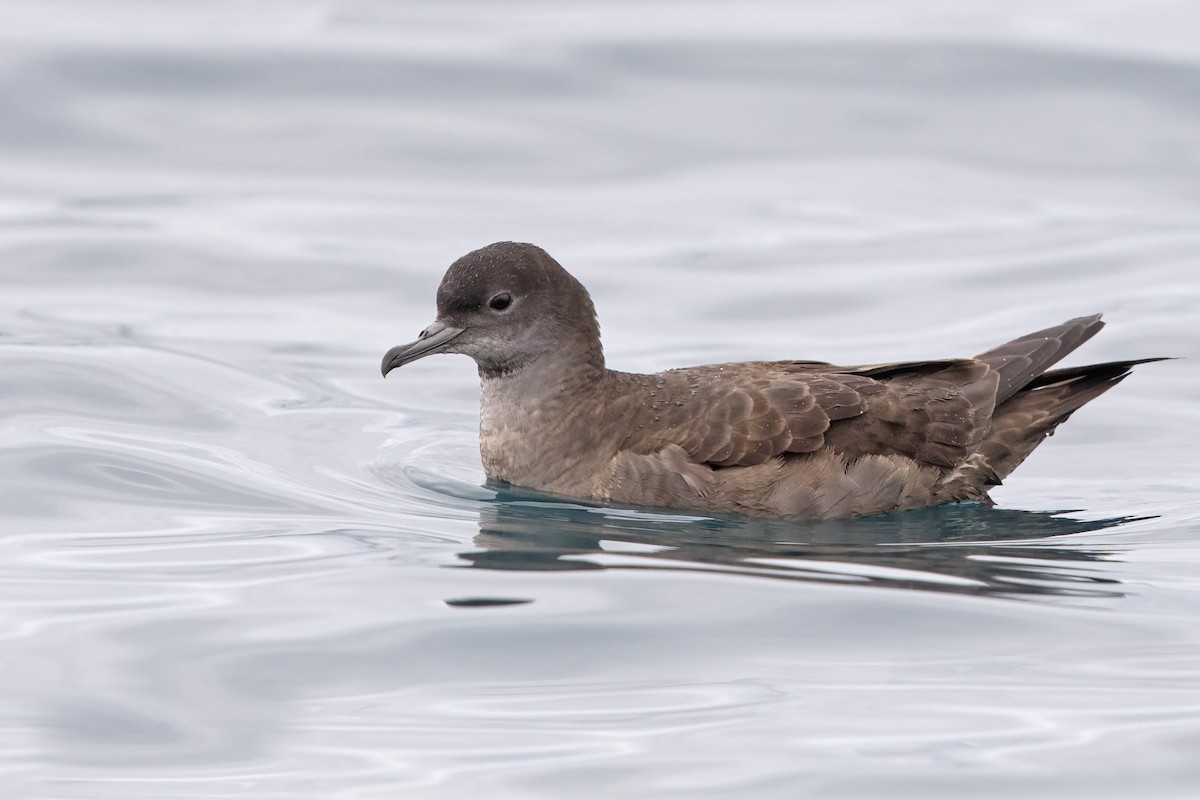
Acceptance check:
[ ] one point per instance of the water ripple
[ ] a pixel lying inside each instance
(235, 561)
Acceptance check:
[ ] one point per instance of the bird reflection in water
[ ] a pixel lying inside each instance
(960, 549)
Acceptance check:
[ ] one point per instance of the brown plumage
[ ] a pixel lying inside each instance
(801, 439)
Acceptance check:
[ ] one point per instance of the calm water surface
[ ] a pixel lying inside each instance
(235, 562)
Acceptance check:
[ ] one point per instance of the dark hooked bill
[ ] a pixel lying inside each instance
(431, 340)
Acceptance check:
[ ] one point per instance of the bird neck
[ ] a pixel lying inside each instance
(574, 365)
(537, 424)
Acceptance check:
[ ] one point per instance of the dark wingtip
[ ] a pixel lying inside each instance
(1108, 371)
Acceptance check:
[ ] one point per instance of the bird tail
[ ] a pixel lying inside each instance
(1034, 410)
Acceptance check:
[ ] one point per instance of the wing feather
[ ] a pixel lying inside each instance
(936, 412)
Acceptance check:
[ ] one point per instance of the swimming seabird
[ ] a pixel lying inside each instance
(788, 439)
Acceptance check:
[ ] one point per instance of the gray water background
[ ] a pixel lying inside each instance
(235, 562)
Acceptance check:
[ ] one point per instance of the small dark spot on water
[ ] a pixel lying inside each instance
(480, 602)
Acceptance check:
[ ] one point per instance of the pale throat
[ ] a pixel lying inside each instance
(529, 417)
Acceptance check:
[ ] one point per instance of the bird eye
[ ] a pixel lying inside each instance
(500, 301)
